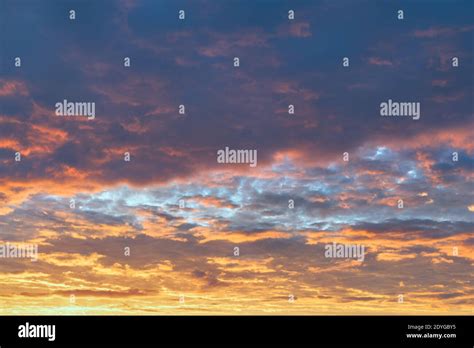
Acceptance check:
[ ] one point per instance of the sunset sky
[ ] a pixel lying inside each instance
(190, 251)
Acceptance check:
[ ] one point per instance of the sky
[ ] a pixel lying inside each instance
(173, 231)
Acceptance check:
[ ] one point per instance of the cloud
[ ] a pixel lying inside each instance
(189, 249)
(433, 32)
(380, 61)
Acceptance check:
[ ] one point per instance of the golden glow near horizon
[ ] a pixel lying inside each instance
(87, 268)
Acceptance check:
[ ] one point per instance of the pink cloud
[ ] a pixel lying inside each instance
(223, 45)
(12, 87)
(379, 61)
(448, 98)
(433, 32)
(301, 29)
(439, 83)
(441, 31)
(284, 87)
